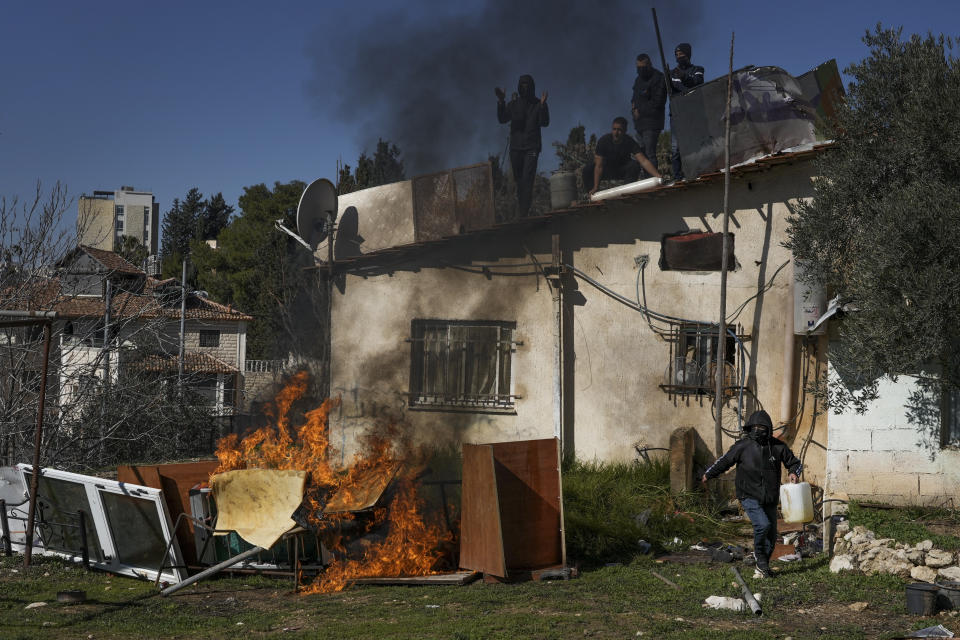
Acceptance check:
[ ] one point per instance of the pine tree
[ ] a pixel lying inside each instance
(214, 217)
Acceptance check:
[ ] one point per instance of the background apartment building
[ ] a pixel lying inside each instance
(106, 216)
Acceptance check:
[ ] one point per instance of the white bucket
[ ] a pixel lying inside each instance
(796, 502)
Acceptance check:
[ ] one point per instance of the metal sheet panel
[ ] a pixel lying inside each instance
(452, 202)
(769, 112)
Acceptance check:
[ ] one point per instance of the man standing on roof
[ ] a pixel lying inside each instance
(683, 77)
(647, 103)
(526, 114)
(617, 157)
(758, 457)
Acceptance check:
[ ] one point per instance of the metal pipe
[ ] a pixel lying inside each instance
(37, 443)
(226, 564)
(725, 252)
(12, 313)
(663, 59)
(787, 398)
(85, 552)
(625, 189)
(747, 594)
(557, 346)
(5, 529)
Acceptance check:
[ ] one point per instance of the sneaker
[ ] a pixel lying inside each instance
(765, 572)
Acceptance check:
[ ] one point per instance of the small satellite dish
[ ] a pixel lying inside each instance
(317, 209)
(12, 489)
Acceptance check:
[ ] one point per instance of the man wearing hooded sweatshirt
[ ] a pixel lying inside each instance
(758, 457)
(647, 103)
(683, 77)
(526, 114)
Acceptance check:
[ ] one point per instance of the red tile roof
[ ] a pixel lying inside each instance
(48, 296)
(192, 363)
(112, 261)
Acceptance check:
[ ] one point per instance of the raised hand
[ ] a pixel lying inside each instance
(501, 94)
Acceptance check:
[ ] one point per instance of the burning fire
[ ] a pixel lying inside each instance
(412, 546)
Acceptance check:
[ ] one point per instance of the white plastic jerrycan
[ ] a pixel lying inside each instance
(796, 502)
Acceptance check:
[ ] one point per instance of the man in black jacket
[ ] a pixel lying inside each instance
(647, 102)
(683, 77)
(758, 457)
(526, 114)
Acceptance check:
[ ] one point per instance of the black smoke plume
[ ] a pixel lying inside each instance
(424, 77)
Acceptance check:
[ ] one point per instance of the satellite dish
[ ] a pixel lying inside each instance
(317, 209)
(12, 489)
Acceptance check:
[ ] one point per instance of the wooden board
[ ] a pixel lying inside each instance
(481, 536)
(456, 579)
(528, 484)
(175, 480)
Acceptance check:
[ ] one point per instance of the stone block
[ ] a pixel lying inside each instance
(847, 438)
(937, 558)
(895, 440)
(841, 562)
(949, 573)
(923, 574)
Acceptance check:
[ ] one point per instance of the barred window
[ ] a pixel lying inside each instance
(461, 364)
(209, 338)
(693, 360)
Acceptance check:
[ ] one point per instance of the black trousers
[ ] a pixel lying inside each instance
(629, 172)
(524, 165)
(647, 139)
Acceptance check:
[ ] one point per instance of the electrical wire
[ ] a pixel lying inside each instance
(763, 290)
(662, 317)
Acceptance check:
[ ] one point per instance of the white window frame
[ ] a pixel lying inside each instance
(175, 570)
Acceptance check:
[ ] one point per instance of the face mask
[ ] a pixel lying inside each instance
(683, 62)
(645, 72)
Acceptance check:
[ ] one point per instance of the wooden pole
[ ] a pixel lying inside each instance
(722, 331)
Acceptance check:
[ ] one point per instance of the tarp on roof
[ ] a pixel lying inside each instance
(770, 111)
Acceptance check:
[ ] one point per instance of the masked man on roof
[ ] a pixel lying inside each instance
(683, 77)
(617, 157)
(646, 105)
(526, 114)
(758, 457)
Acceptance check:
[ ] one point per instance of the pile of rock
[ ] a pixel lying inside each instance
(860, 549)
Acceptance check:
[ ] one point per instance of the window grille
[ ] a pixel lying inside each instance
(462, 364)
(692, 368)
(209, 338)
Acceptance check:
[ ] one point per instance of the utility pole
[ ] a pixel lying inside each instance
(724, 261)
(183, 317)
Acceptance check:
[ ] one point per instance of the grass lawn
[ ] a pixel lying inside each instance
(805, 601)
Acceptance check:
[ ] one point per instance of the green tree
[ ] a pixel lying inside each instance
(384, 167)
(133, 251)
(883, 227)
(266, 273)
(214, 217)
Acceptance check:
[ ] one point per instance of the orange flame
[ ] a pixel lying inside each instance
(411, 546)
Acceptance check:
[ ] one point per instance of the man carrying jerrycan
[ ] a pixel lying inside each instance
(758, 457)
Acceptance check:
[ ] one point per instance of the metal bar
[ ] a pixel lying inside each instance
(5, 528)
(663, 60)
(37, 443)
(226, 564)
(84, 551)
(557, 343)
(747, 594)
(725, 260)
(39, 315)
(183, 319)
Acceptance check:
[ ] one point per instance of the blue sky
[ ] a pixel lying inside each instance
(221, 95)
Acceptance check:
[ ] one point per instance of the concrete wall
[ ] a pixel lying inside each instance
(95, 223)
(614, 362)
(891, 453)
(381, 216)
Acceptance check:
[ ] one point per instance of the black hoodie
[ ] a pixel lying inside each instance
(758, 463)
(526, 115)
(649, 98)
